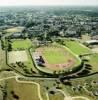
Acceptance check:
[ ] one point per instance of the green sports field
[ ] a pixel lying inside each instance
(21, 44)
(57, 57)
(77, 47)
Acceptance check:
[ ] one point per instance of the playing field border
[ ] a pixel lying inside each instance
(69, 69)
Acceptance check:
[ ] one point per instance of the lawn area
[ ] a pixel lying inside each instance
(24, 57)
(21, 44)
(56, 58)
(17, 56)
(55, 55)
(77, 47)
(2, 59)
(93, 61)
(14, 29)
(22, 90)
(29, 63)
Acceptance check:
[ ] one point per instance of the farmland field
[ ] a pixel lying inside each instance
(21, 44)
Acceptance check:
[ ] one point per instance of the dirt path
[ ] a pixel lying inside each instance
(26, 82)
(37, 84)
(77, 97)
(66, 95)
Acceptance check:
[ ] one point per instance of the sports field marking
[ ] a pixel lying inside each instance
(57, 58)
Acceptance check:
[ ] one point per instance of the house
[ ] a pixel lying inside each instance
(71, 32)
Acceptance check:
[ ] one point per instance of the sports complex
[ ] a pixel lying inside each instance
(55, 58)
(51, 59)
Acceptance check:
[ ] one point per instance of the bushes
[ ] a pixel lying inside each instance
(75, 69)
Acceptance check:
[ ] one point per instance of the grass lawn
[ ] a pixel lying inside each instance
(21, 44)
(21, 56)
(30, 64)
(24, 91)
(2, 59)
(77, 47)
(14, 29)
(57, 58)
(93, 61)
(55, 55)
(17, 56)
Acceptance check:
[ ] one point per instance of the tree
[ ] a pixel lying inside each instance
(52, 92)
(9, 47)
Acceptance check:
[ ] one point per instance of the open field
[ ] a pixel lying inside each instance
(29, 63)
(55, 55)
(95, 50)
(93, 61)
(21, 44)
(57, 58)
(2, 58)
(17, 56)
(23, 57)
(51, 84)
(56, 96)
(86, 37)
(77, 47)
(84, 87)
(22, 90)
(14, 29)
